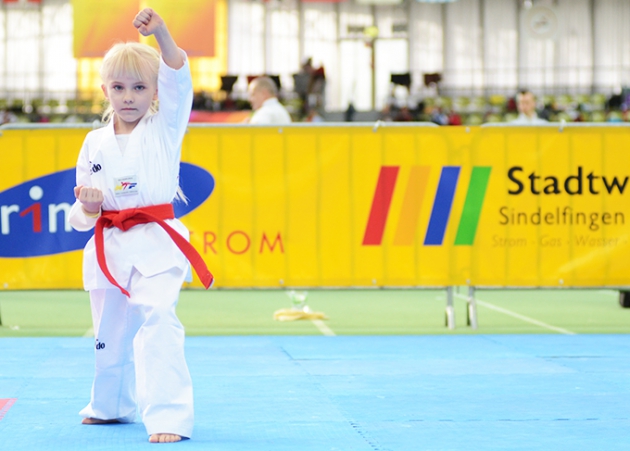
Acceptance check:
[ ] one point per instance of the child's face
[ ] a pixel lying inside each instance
(130, 98)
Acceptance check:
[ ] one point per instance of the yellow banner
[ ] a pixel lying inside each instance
(99, 25)
(190, 22)
(341, 206)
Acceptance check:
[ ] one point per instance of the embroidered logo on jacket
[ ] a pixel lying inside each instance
(126, 186)
(94, 168)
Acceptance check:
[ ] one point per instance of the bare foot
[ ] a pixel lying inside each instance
(98, 421)
(164, 438)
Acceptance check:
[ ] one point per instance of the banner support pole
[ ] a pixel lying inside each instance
(450, 308)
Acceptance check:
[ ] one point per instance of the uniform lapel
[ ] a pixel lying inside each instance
(135, 146)
(108, 145)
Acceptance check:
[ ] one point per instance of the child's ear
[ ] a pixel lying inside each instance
(105, 91)
(155, 95)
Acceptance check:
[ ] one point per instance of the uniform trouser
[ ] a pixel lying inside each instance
(140, 356)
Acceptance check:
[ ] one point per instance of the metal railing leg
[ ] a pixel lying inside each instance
(472, 308)
(450, 308)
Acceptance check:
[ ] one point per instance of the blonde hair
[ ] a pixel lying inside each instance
(134, 59)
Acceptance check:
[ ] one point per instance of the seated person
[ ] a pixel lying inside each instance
(526, 105)
(263, 95)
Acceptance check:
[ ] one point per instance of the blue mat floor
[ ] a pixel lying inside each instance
(492, 392)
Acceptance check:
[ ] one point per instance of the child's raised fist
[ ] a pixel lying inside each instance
(147, 22)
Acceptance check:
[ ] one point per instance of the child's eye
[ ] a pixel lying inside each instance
(139, 88)
(117, 87)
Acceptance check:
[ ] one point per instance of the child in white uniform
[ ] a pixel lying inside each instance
(134, 266)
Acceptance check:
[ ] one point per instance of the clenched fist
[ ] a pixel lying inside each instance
(148, 22)
(90, 198)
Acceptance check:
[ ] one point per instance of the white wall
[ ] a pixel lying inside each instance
(36, 51)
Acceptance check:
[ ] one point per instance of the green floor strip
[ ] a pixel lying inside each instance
(349, 312)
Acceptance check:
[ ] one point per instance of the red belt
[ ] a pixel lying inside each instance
(126, 219)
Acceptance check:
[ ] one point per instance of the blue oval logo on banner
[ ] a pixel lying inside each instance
(197, 185)
(34, 215)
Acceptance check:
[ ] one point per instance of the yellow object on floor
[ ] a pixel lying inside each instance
(289, 314)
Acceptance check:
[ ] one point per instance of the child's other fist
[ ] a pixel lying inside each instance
(90, 198)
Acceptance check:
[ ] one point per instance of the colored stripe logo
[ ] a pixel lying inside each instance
(414, 196)
(442, 205)
(380, 205)
(472, 206)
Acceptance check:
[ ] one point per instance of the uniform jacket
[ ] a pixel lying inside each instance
(151, 162)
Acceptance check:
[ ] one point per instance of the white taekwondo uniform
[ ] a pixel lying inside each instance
(139, 339)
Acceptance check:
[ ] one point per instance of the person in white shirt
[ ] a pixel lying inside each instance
(263, 95)
(526, 105)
